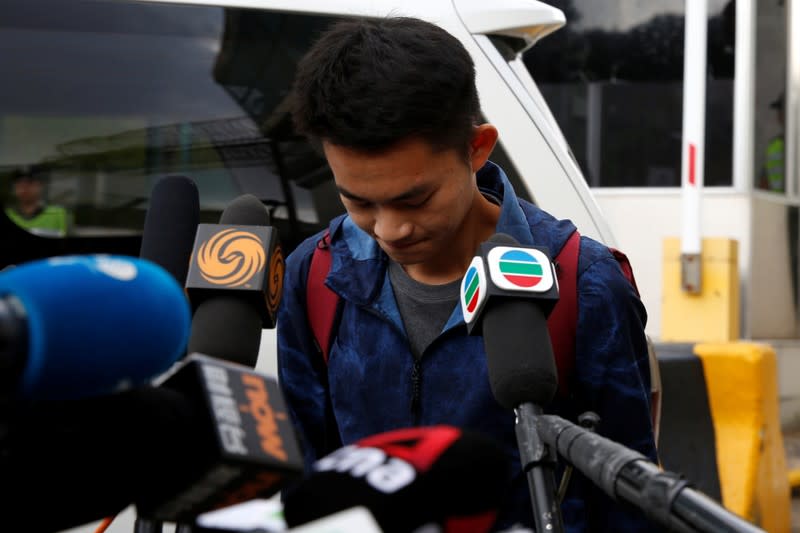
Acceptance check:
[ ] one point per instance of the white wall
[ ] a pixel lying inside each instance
(641, 220)
(771, 312)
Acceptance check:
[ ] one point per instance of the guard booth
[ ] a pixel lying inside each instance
(615, 78)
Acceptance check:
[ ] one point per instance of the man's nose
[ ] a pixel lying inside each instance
(391, 225)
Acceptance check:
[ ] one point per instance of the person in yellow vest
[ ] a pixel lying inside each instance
(772, 177)
(29, 210)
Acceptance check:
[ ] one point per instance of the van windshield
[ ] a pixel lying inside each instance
(101, 99)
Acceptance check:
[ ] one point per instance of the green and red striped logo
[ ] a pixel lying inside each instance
(520, 268)
(471, 289)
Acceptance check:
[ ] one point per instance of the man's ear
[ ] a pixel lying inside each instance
(484, 137)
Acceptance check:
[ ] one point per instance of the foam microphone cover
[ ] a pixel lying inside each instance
(170, 225)
(96, 324)
(67, 463)
(245, 210)
(519, 353)
(228, 328)
(409, 478)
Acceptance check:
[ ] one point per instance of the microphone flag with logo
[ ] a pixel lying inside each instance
(502, 269)
(441, 477)
(249, 449)
(241, 255)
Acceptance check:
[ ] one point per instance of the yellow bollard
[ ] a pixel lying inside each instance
(794, 479)
(741, 379)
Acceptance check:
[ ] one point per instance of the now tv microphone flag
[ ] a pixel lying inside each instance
(247, 449)
(408, 478)
(214, 434)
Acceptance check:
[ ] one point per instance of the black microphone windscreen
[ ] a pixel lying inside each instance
(519, 353)
(245, 210)
(238, 341)
(66, 463)
(170, 225)
(409, 478)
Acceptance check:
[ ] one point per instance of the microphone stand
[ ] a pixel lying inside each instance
(628, 476)
(538, 463)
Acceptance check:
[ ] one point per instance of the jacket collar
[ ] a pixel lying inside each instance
(492, 181)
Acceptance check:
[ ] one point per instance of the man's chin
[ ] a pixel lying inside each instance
(406, 257)
(405, 260)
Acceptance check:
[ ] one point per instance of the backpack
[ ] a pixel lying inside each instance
(322, 303)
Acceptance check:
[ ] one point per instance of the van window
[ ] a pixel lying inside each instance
(101, 99)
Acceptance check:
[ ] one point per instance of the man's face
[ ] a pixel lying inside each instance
(27, 190)
(411, 199)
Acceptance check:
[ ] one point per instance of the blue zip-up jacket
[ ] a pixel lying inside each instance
(372, 383)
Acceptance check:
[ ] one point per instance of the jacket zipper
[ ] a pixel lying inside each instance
(416, 374)
(416, 390)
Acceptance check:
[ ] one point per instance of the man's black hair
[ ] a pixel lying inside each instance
(367, 84)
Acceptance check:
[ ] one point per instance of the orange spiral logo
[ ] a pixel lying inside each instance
(231, 257)
(275, 281)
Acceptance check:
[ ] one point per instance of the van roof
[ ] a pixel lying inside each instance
(526, 19)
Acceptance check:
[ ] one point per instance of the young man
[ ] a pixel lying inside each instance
(394, 105)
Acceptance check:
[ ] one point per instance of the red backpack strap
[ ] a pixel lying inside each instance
(656, 388)
(563, 320)
(625, 265)
(321, 302)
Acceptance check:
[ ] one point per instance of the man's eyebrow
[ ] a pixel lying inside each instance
(411, 193)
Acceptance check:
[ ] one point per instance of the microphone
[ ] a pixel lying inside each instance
(66, 463)
(508, 291)
(233, 264)
(251, 450)
(76, 326)
(170, 225)
(239, 259)
(227, 328)
(506, 294)
(408, 478)
(167, 239)
(212, 435)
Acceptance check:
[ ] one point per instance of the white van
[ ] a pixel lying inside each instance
(104, 97)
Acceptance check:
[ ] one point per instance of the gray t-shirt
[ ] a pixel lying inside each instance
(424, 308)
